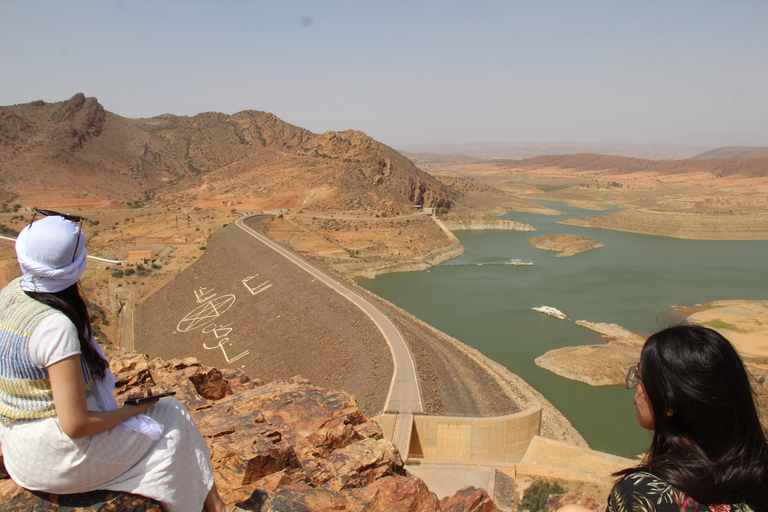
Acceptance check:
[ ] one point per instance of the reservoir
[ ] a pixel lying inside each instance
(633, 281)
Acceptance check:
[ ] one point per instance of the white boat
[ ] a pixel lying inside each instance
(518, 262)
(548, 310)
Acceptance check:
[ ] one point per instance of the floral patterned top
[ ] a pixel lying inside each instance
(644, 492)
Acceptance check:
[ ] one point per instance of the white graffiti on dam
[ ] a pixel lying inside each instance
(257, 289)
(212, 308)
(220, 332)
(206, 316)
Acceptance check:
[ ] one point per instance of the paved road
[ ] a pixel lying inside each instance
(404, 395)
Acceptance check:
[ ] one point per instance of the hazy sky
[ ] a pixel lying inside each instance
(690, 72)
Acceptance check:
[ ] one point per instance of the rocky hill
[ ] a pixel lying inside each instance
(77, 148)
(282, 446)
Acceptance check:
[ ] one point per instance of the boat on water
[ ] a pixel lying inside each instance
(518, 262)
(549, 310)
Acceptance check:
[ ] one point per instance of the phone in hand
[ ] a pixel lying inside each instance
(137, 401)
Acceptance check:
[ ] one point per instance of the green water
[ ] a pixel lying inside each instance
(633, 281)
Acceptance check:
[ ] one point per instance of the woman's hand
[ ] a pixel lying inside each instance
(71, 409)
(144, 405)
(148, 403)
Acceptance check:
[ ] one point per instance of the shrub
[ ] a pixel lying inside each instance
(118, 273)
(537, 494)
(6, 231)
(129, 272)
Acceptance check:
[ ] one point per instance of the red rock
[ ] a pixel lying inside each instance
(282, 446)
(469, 499)
(15, 499)
(397, 493)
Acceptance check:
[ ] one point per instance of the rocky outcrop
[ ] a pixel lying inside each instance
(85, 118)
(15, 499)
(469, 499)
(470, 219)
(596, 365)
(282, 446)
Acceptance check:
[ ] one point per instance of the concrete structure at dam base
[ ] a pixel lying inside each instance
(449, 452)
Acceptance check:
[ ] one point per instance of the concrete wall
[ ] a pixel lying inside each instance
(510, 444)
(480, 440)
(559, 460)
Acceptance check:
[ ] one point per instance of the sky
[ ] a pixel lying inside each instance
(684, 72)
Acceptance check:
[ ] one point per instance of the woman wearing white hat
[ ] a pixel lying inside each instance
(60, 427)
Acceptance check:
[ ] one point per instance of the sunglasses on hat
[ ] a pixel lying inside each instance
(68, 216)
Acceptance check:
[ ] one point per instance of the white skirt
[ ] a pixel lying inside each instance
(174, 470)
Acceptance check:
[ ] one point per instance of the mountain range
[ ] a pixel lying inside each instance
(76, 148)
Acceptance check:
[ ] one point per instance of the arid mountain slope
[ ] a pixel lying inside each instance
(511, 150)
(718, 167)
(78, 149)
(734, 152)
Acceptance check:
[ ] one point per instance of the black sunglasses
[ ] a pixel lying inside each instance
(68, 216)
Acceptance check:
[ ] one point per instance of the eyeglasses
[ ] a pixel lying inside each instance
(633, 376)
(72, 218)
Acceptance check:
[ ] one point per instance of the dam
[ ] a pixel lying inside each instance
(633, 281)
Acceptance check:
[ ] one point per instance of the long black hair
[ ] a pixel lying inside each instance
(69, 302)
(708, 441)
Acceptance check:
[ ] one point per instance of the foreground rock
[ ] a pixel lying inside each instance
(282, 446)
(565, 245)
(15, 499)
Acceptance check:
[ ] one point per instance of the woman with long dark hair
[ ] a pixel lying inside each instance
(60, 427)
(709, 450)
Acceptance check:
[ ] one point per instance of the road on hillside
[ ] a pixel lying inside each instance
(404, 395)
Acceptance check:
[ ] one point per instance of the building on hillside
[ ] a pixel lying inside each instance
(138, 257)
(180, 239)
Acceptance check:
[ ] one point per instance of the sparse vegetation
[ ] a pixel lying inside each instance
(719, 324)
(6, 231)
(537, 494)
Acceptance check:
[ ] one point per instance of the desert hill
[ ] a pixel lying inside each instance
(734, 152)
(739, 162)
(718, 167)
(78, 149)
(708, 199)
(509, 150)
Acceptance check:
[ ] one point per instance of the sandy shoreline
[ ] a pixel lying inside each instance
(743, 322)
